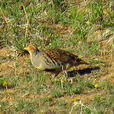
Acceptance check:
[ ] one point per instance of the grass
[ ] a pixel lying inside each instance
(32, 92)
(65, 24)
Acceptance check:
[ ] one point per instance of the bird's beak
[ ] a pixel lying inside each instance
(26, 48)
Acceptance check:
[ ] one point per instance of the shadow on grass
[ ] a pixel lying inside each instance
(82, 72)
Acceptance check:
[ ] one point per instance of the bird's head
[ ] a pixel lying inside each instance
(31, 49)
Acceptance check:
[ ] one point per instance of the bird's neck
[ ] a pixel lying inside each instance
(34, 52)
(34, 56)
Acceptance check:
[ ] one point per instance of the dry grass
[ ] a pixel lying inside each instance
(82, 27)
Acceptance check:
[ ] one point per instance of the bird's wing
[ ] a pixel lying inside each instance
(62, 56)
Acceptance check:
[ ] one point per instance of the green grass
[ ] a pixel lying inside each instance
(99, 105)
(25, 106)
(33, 93)
(52, 24)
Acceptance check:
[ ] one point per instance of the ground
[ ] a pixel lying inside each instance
(82, 27)
(21, 91)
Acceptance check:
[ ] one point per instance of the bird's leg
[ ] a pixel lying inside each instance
(65, 75)
(71, 80)
(57, 71)
(62, 81)
(64, 71)
(65, 68)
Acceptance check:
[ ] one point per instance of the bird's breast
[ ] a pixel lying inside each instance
(41, 67)
(43, 62)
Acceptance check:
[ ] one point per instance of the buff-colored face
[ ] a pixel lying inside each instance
(30, 48)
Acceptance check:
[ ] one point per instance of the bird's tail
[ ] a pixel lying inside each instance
(83, 62)
(80, 61)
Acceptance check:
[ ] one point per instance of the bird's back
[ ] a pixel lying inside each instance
(61, 57)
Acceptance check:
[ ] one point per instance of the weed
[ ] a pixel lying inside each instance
(7, 83)
(40, 88)
(25, 106)
(3, 106)
(90, 85)
(77, 90)
(57, 94)
(97, 12)
(62, 103)
(46, 99)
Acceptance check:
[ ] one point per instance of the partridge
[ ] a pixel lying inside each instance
(53, 59)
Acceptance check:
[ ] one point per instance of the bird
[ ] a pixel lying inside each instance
(52, 60)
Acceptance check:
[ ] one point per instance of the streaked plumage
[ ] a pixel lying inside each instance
(54, 59)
